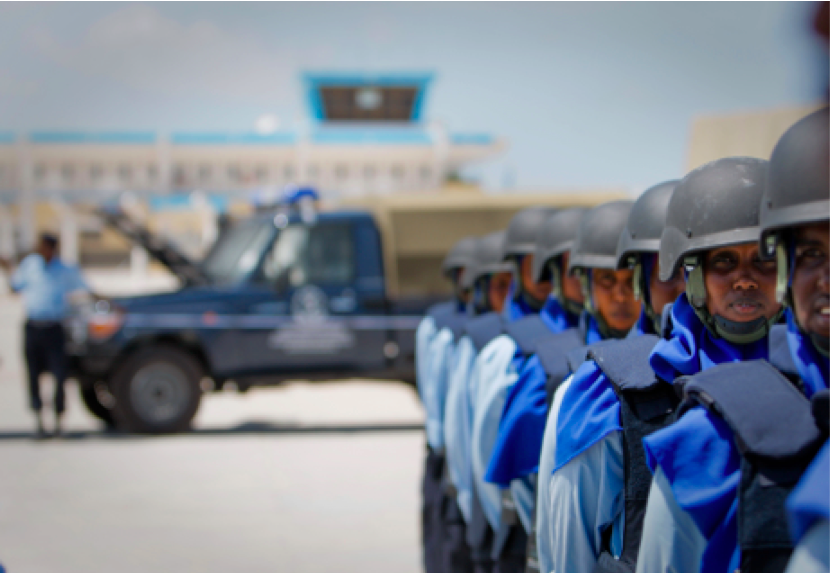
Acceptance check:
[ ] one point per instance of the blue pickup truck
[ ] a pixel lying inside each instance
(294, 293)
(286, 294)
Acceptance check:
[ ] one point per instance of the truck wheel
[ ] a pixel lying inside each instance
(91, 400)
(156, 391)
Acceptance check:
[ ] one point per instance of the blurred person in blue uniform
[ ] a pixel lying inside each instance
(499, 363)
(495, 369)
(724, 317)
(742, 419)
(611, 311)
(589, 477)
(489, 279)
(638, 250)
(795, 228)
(45, 283)
(527, 295)
(433, 339)
(515, 453)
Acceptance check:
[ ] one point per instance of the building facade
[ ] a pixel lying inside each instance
(364, 135)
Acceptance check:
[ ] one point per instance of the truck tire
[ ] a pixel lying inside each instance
(93, 404)
(156, 391)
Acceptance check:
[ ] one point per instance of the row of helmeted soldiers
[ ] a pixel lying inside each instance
(651, 393)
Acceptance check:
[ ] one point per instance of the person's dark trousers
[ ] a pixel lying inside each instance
(45, 352)
(432, 533)
(455, 553)
(480, 538)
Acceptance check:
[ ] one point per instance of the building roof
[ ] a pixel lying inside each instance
(334, 96)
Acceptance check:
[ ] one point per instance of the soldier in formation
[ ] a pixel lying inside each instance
(639, 387)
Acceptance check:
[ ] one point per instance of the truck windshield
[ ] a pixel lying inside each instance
(238, 251)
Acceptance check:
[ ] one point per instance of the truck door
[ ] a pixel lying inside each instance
(310, 276)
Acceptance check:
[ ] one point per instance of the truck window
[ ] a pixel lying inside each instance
(320, 254)
(238, 251)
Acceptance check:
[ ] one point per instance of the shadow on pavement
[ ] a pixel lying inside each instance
(247, 428)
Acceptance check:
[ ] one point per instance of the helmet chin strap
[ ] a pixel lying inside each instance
(521, 292)
(604, 328)
(557, 290)
(730, 330)
(531, 301)
(640, 282)
(480, 303)
(820, 343)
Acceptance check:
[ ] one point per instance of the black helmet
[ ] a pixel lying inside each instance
(798, 185)
(522, 231)
(642, 236)
(714, 206)
(595, 247)
(489, 259)
(797, 193)
(462, 254)
(595, 244)
(645, 224)
(555, 237)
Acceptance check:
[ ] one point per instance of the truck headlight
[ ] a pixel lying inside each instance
(104, 322)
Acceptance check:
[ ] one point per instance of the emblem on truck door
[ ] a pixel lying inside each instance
(309, 304)
(312, 330)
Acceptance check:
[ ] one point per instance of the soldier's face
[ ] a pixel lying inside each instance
(811, 279)
(498, 289)
(613, 294)
(739, 285)
(540, 290)
(571, 289)
(663, 293)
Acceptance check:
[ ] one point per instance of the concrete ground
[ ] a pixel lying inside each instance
(305, 477)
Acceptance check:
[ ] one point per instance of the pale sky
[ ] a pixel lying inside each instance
(585, 93)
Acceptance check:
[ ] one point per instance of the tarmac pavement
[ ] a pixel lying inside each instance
(305, 477)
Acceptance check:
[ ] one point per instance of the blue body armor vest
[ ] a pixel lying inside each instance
(776, 437)
(646, 405)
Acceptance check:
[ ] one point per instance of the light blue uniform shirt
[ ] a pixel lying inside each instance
(424, 334)
(811, 554)
(671, 541)
(45, 286)
(544, 528)
(434, 348)
(579, 501)
(458, 417)
(493, 374)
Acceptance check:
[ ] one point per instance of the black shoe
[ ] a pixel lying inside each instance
(40, 432)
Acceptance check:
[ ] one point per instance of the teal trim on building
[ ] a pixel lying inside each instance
(471, 139)
(109, 138)
(371, 137)
(182, 202)
(282, 138)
